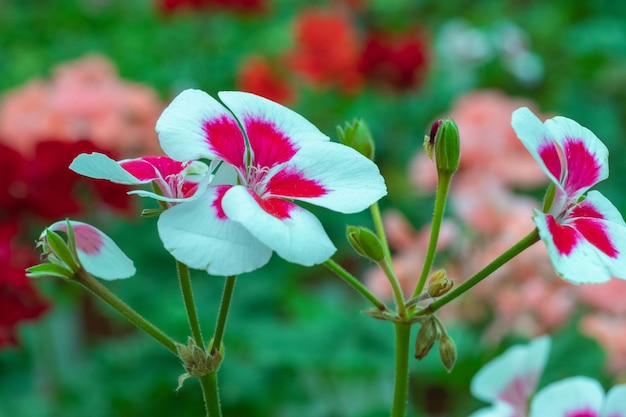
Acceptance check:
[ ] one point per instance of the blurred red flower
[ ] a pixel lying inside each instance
(398, 61)
(258, 76)
(327, 50)
(242, 6)
(44, 187)
(19, 301)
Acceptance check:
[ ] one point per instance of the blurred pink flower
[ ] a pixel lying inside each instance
(610, 332)
(489, 144)
(84, 99)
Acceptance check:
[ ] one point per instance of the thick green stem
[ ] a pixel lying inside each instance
(355, 283)
(443, 186)
(227, 295)
(401, 388)
(518, 248)
(184, 278)
(380, 229)
(211, 396)
(398, 295)
(89, 282)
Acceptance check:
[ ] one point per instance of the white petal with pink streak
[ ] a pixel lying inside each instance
(569, 397)
(104, 259)
(300, 239)
(352, 181)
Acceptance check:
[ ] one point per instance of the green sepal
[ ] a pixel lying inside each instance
(357, 136)
(61, 250)
(151, 212)
(48, 270)
(548, 198)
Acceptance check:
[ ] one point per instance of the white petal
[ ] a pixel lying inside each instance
(97, 252)
(534, 135)
(300, 238)
(568, 398)
(196, 236)
(517, 369)
(248, 106)
(100, 166)
(181, 125)
(353, 182)
(615, 403)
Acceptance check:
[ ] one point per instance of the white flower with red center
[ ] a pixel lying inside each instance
(579, 397)
(279, 156)
(174, 181)
(585, 234)
(96, 252)
(510, 380)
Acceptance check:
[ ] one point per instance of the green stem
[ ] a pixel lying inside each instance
(401, 389)
(227, 295)
(210, 389)
(518, 248)
(443, 186)
(355, 283)
(184, 278)
(210, 394)
(89, 282)
(380, 229)
(398, 295)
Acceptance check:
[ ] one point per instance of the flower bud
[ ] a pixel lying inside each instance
(366, 243)
(447, 351)
(445, 143)
(357, 135)
(439, 284)
(425, 339)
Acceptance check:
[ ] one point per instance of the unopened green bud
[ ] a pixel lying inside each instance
(425, 339)
(447, 351)
(357, 136)
(445, 141)
(439, 284)
(366, 243)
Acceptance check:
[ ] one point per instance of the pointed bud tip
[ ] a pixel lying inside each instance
(444, 140)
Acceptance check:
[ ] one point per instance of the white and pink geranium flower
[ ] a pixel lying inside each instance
(585, 234)
(511, 379)
(173, 181)
(509, 382)
(234, 224)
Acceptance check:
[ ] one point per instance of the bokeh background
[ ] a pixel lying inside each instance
(93, 75)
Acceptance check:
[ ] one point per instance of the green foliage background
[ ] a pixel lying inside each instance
(296, 344)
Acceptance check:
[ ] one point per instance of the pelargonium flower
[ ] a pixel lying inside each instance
(279, 156)
(90, 249)
(585, 234)
(174, 181)
(509, 380)
(579, 397)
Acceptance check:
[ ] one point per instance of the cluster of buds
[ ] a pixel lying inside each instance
(432, 330)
